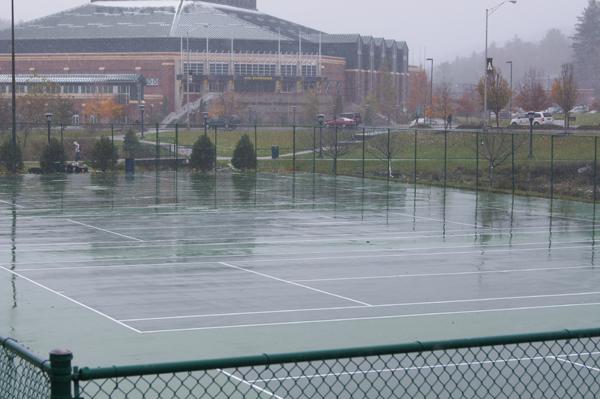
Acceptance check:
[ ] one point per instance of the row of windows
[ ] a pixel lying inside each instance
(69, 89)
(197, 68)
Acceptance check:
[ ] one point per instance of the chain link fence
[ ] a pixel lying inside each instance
(22, 374)
(545, 163)
(562, 364)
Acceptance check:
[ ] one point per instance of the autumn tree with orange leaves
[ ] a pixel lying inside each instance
(105, 110)
(418, 91)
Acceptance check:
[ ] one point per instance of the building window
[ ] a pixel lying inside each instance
(194, 68)
(71, 89)
(216, 86)
(288, 86)
(124, 90)
(255, 69)
(289, 70)
(88, 89)
(219, 69)
(309, 70)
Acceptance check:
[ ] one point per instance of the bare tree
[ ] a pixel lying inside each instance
(444, 102)
(498, 93)
(385, 147)
(564, 91)
(532, 96)
(497, 148)
(335, 145)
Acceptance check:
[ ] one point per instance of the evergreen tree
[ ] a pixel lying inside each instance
(53, 157)
(103, 155)
(203, 154)
(586, 46)
(244, 156)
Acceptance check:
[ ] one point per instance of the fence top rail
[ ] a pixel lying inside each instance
(86, 374)
(23, 352)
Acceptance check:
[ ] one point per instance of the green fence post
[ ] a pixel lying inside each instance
(62, 133)
(256, 144)
(112, 141)
(216, 152)
(363, 151)
(389, 157)
(314, 165)
(294, 149)
(512, 154)
(477, 162)
(445, 157)
(335, 157)
(551, 168)
(157, 157)
(60, 374)
(415, 161)
(176, 147)
(595, 172)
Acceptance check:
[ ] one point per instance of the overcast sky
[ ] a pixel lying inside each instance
(441, 29)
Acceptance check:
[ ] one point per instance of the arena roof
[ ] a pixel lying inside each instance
(71, 78)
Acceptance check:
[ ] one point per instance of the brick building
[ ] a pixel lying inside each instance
(187, 52)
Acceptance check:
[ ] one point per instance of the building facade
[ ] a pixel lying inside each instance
(188, 52)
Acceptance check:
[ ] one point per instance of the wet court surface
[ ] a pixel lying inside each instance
(165, 267)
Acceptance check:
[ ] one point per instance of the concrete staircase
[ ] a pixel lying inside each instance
(194, 106)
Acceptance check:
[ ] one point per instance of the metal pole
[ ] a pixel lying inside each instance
(552, 168)
(389, 156)
(430, 92)
(415, 161)
(62, 134)
(294, 149)
(511, 90)
(157, 159)
(595, 196)
(216, 152)
(49, 129)
(321, 141)
(445, 157)
(14, 88)
(530, 156)
(512, 153)
(176, 147)
(112, 142)
(314, 150)
(363, 151)
(477, 162)
(256, 143)
(60, 374)
(335, 152)
(485, 74)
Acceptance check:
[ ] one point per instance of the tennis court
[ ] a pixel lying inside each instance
(170, 266)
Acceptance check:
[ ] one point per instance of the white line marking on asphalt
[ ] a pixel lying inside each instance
(580, 365)
(12, 204)
(250, 384)
(296, 284)
(381, 306)
(292, 323)
(70, 299)
(104, 230)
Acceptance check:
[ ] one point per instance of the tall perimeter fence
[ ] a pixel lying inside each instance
(544, 163)
(562, 364)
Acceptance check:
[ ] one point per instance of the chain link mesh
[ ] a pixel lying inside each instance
(19, 378)
(551, 369)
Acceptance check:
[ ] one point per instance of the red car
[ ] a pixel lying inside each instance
(341, 122)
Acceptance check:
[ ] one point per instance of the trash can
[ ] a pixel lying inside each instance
(274, 152)
(129, 166)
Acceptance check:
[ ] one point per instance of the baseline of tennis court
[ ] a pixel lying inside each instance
(226, 258)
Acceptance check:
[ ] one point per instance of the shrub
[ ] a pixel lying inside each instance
(53, 157)
(203, 154)
(131, 145)
(103, 155)
(244, 156)
(8, 156)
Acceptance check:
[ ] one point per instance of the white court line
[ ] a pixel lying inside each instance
(70, 299)
(433, 314)
(11, 204)
(280, 260)
(382, 306)
(104, 230)
(394, 276)
(580, 365)
(250, 384)
(293, 283)
(420, 368)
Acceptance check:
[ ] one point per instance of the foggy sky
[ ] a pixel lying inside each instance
(442, 29)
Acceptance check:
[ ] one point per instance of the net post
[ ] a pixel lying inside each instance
(60, 374)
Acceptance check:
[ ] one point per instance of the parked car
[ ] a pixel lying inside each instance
(539, 118)
(341, 122)
(225, 122)
(580, 109)
(433, 122)
(354, 116)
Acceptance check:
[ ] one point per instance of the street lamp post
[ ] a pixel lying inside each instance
(205, 116)
(430, 90)
(49, 120)
(511, 90)
(488, 12)
(294, 112)
(321, 120)
(141, 107)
